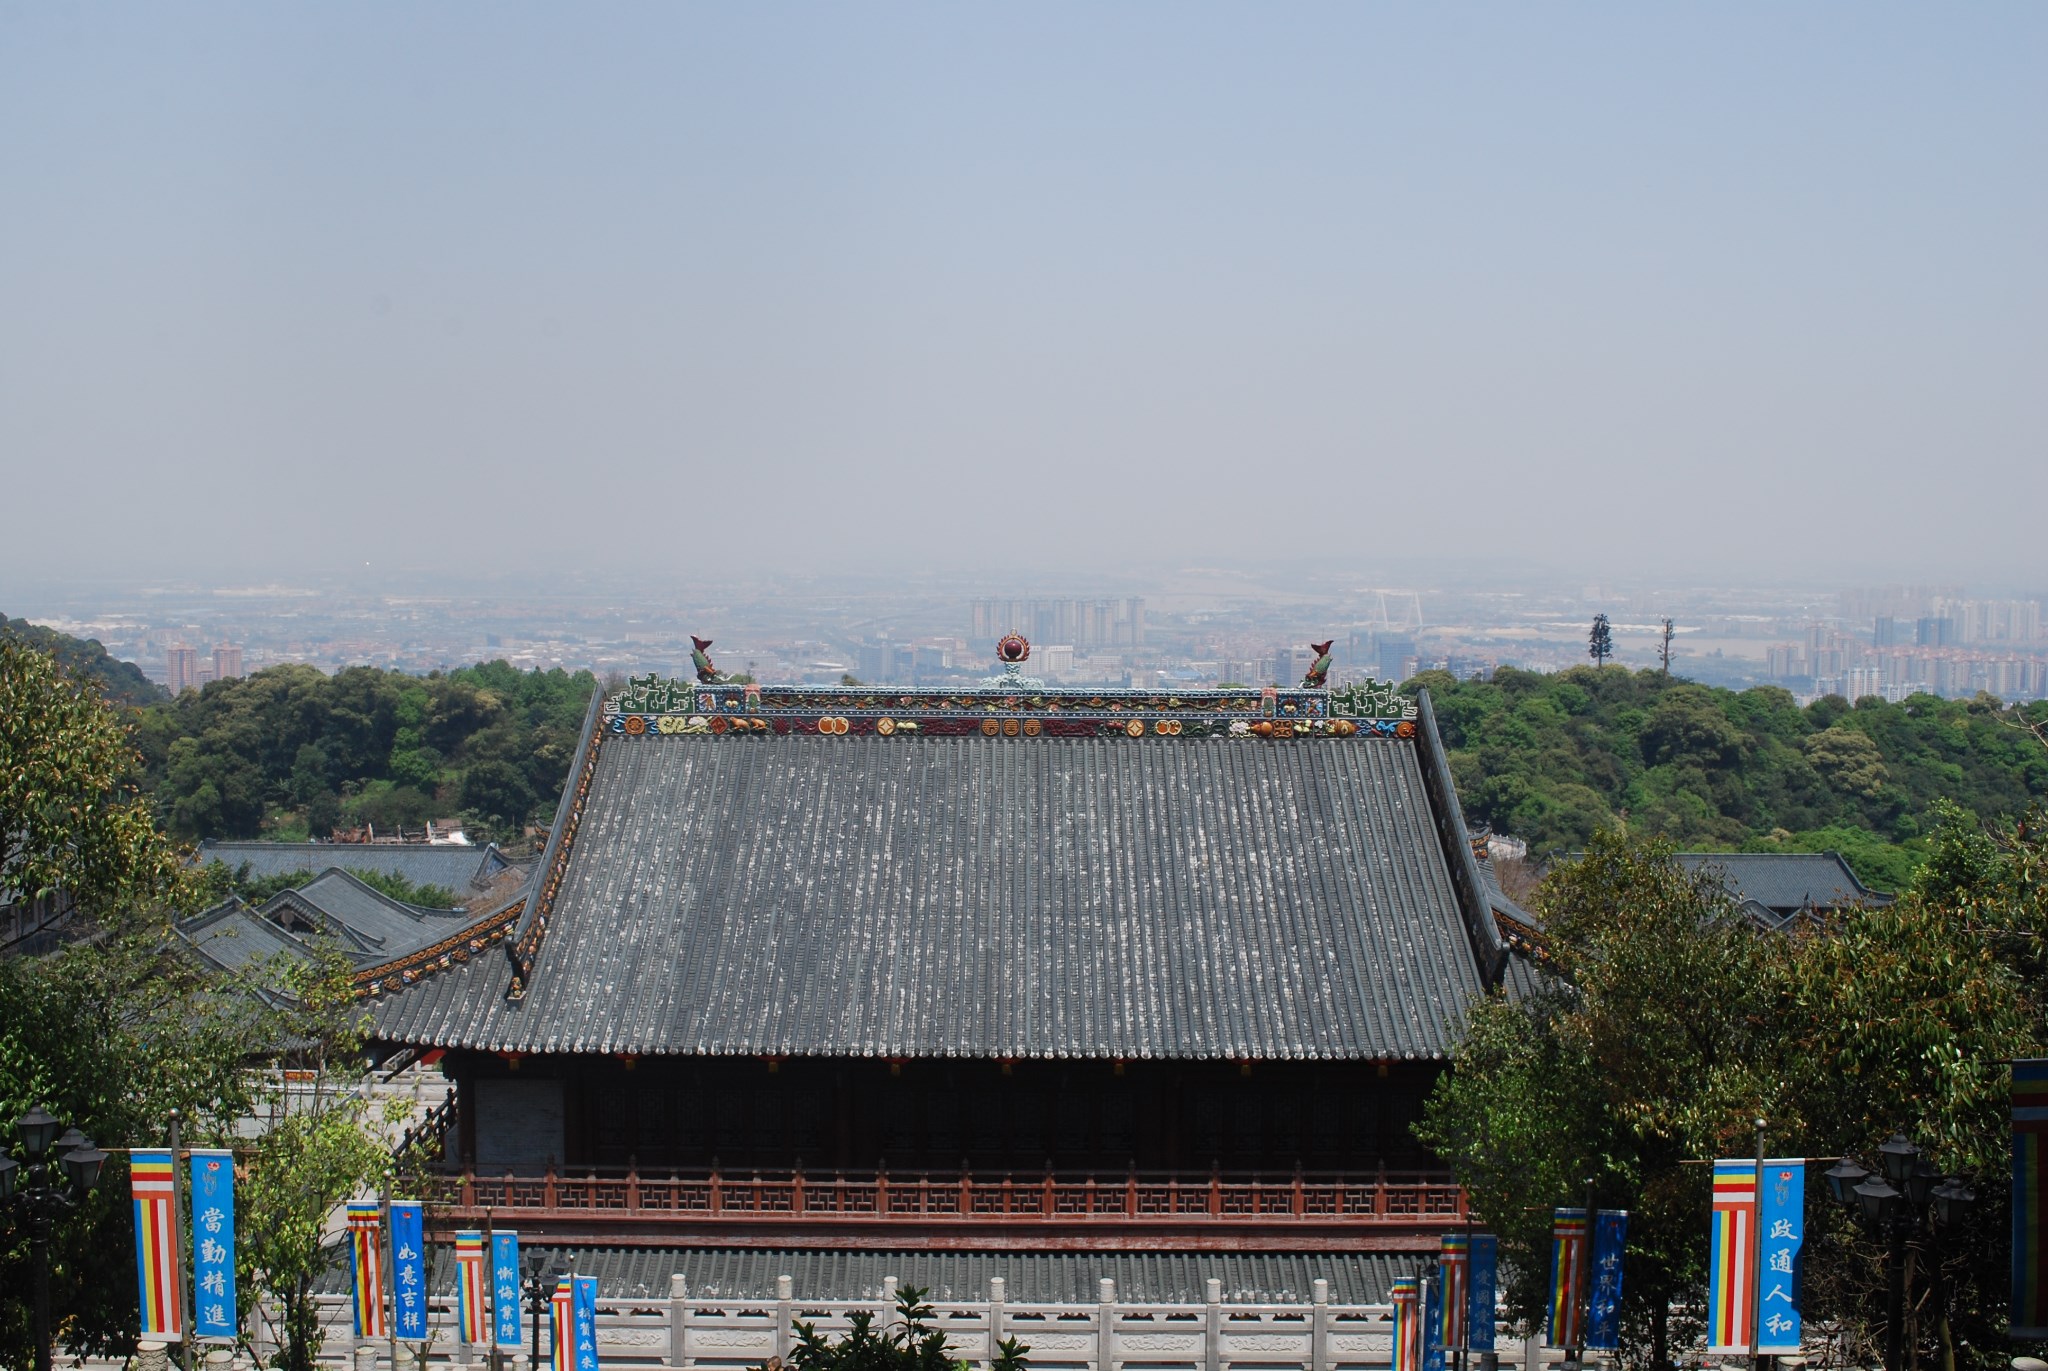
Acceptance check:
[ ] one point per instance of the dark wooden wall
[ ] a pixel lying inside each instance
(935, 1115)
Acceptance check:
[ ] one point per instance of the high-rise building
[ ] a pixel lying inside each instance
(1081, 623)
(182, 668)
(227, 662)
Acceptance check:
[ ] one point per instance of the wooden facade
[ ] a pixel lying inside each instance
(952, 1115)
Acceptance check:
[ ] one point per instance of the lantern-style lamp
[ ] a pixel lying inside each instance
(37, 1128)
(82, 1166)
(1843, 1178)
(1877, 1199)
(1954, 1202)
(1897, 1157)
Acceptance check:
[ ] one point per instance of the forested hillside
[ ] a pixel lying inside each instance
(122, 682)
(288, 751)
(1552, 758)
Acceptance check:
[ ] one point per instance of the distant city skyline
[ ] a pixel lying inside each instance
(638, 295)
(1201, 628)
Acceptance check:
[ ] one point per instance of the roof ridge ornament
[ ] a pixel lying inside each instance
(1013, 650)
(1318, 673)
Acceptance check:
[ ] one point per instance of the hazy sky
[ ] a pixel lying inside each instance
(1637, 289)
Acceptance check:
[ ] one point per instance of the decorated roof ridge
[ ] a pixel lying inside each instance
(1007, 706)
(532, 925)
(471, 940)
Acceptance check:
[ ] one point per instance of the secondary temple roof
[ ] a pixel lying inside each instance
(1010, 871)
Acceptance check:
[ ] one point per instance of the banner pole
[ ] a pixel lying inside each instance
(178, 1210)
(391, 1325)
(1582, 1286)
(1756, 1257)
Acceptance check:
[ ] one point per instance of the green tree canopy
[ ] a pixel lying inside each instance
(1670, 1022)
(1551, 758)
(288, 752)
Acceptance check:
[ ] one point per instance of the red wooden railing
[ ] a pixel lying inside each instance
(1406, 1199)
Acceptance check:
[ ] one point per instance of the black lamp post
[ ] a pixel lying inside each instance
(1909, 1199)
(540, 1284)
(60, 1173)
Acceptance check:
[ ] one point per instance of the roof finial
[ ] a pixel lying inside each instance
(1318, 674)
(699, 658)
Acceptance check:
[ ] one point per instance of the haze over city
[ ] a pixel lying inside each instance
(1748, 295)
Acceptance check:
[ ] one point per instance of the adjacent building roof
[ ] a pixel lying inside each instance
(988, 874)
(1028, 1277)
(369, 926)
(1776, 886)
(231, 935)
(455, 867)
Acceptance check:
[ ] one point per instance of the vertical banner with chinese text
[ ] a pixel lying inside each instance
(1405, 1295)
(505, 1288)
(561, 1330)
(2030, 1198)
(1731, 1278)
(1784, 1227)
(1567, 1321)
(583, 1314)
(470, 1284)
(408, 1272)
(1453, 1268)
(1483, 1277)
(1603, 1302)
(153, 1182)
(213, 1244)
(366, 1266)
(1433, 1323)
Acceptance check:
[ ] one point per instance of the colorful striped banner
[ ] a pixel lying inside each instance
(470, 1284)
(1731, 1259)
(1603, 1301)
(366, 1265)
(213, 1245)
(1453, 1267)
(562, 1324)
(505, 1288)
(1406, 1296)
(2030, 1198)
(1567, 1322)
(153, 1181)
(1484, 1276)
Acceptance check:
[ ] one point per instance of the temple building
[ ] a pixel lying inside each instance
(1009, 968)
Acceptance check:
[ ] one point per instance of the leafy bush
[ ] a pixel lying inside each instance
(910, 1343)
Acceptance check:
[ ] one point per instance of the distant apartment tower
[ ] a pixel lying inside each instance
(1081, 623)
(227, 662)
(181, 668)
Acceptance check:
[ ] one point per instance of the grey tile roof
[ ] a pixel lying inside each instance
(1028, 1277)
(452, 867)
(1784, 882)
(990, 897)
(231, 935)
(365, 919)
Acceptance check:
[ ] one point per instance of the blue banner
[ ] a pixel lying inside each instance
(1603, 1304)
(1433, 1323)
(505, 1287)
(1783, 1221)
(213, 1244)
(408, 1272)
(583, 1319)
(1482, 1281)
